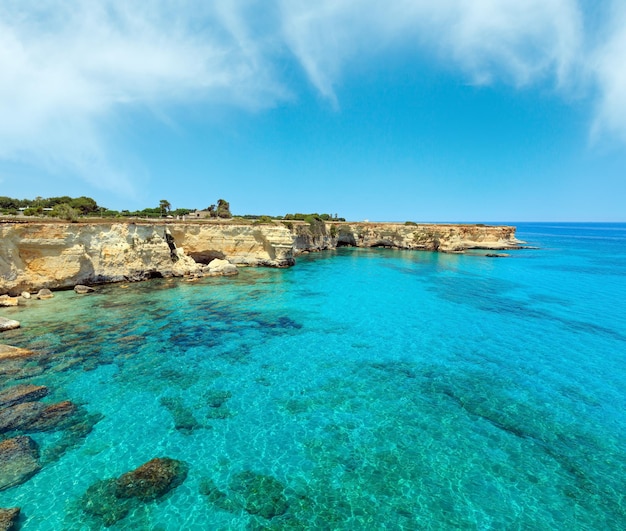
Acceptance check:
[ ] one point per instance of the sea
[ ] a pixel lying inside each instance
(361, 389)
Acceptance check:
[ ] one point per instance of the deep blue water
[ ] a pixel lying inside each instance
(378, 389)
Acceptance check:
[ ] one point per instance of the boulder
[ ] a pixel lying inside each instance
(152, 479)
(22, 393)
(6, 300)
(82, 289)
(19, 461)
(8, 518)
(8, 324)
(25, 295)
(219, 267)
(44, 293)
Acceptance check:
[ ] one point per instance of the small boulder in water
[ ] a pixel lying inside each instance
(219, 267)
(25, 295)
(8, 324)
(7, 300)
(44, 293)
(82, 289)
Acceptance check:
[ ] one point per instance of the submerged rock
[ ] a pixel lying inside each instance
(35, 416)
(263, 495)
(183, 417)
(152, 479)
(110, 500)
(8, 352)
(8, 324)
(19, 461)
(100, 501)
(8, 518)
(6, 300)
(44, 293)
(22, 393)
(82, 289)
(216, 398)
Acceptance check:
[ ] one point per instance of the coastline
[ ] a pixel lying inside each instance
(60, 255)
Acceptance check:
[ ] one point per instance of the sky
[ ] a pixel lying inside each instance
(455, 110)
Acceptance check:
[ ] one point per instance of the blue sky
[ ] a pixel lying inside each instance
(490, 110)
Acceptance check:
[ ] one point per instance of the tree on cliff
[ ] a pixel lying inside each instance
(223, 209)
(165, 206)
(84, 205)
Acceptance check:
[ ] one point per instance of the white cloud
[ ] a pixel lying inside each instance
(69, 67)
(607, 65)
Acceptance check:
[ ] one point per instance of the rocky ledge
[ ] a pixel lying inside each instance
(56, 255)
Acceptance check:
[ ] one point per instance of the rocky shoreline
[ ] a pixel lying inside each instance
(59, 255)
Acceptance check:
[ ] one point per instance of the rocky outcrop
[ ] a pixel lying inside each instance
(317, 236)
(51, 255)
(241, 244)
(61, 255)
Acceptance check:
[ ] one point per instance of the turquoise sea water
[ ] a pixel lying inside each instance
(378, 389)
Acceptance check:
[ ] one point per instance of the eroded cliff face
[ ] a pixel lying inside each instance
(36, 255)
(428, 237)
(60, 255)
(256, 245)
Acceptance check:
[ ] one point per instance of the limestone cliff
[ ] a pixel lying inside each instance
(59, 255)
(37, 255)
(428, 237)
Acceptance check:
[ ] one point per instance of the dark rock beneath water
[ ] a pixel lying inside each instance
(183, 417)
(215, 496)
(262, 495)
(152, 479)
(217, 398)
(497, 255)
(73, 435)
(22, 393)
(36, 416)
(111, 500)
(19, 461)
(100, 501)
(8, 518)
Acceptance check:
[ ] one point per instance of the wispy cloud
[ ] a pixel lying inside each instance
(69, 67)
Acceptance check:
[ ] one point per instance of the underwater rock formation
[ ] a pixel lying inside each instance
(35, 416)
(22, 393)
(8, 518)
(19, 461)
(110, 500)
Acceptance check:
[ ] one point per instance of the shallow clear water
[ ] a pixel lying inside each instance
(381, 389)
